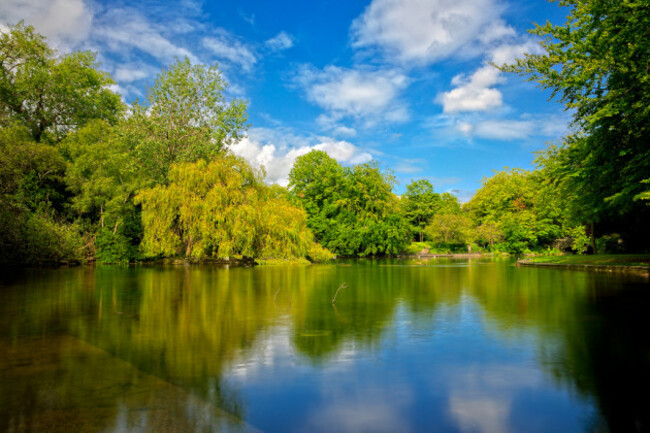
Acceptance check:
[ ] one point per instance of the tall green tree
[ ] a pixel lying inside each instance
(597, 64)
(104, 178)
(450, 229)
(186, 118)
(419, 205)
(352, 211)
(520, 208)
(48, 93)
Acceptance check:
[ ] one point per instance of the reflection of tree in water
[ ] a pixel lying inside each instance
(185, 327)
(366, 307)
(592, 331)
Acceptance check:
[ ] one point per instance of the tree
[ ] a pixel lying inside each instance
(419, 204)
(51, 94)
(520, 207)
(222, 209)
(186, 118)
(103, 178)
(597, 63)
(489, 234)
(352, 211)
(450, 229)
(31, 190)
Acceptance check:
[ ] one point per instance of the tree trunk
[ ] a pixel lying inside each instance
(593, 237)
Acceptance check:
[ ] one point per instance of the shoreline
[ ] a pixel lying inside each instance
(640, 270)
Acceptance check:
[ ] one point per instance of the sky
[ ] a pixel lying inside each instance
(408, 83)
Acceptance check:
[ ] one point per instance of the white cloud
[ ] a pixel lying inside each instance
(64, 22)
(477, 93)
(127, 73)
(261, 148)
(344, 131)
(226, 48)
(282, 41)
(358, 93)
(473, 93)
(124, 29)
(496, 31)
(515, 129)
(508, 53)
(423, 31)
(505, 129)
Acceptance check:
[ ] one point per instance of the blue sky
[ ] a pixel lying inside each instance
(405, 82)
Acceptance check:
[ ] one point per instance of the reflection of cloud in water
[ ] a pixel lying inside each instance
(481, 397)
(373, 409)
(274, 350)
(269, 350)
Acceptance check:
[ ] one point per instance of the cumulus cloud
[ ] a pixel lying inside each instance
(474, 93)
(477, 93)
(230, 50)
(357, 93)
(64, 22)
(282, 41)
(261, 149)
(423, 31)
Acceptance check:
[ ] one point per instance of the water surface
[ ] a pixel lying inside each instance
(409, 346)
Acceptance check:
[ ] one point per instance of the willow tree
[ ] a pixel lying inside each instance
(222, 209)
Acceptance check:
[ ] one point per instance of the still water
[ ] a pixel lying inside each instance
(409, 346)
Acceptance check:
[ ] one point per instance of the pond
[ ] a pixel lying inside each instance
(409, 346)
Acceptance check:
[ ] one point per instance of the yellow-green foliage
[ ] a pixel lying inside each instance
(222, 209)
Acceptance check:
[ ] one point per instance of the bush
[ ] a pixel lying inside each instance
(37, 238)
(609, 244)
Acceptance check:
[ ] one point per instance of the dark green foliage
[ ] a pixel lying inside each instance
(597, 63)
(352, 211)
(419, 204)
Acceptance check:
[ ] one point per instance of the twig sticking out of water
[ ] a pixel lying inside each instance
(342, 286)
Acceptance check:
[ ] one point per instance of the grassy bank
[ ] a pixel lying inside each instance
(595, 260)
(634, 263)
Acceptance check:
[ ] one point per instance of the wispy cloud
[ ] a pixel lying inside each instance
(121, 30)
(522, 129)
(225, 47)
(280, 42)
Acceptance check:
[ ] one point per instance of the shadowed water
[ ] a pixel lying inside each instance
(409, 346)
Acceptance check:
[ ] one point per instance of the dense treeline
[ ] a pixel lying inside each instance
(597, 63)
(83, 175)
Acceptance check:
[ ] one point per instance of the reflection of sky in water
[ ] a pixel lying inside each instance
(446, 374)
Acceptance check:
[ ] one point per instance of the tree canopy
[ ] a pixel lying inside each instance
(352, 211)
(186, 118)
(48, 93)
(222, 209)
(597, 64)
